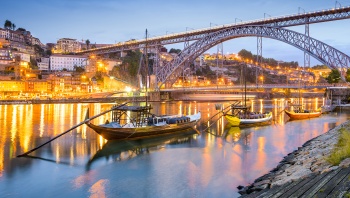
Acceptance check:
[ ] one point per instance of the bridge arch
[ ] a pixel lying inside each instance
(326, 54)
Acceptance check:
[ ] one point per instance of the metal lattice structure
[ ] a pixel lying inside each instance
(283, 21)
(326, 54)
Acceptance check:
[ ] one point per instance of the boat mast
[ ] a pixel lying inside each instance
(245, 86)
(301, 107)
(147, 72)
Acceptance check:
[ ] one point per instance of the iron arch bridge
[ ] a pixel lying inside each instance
(326, 54)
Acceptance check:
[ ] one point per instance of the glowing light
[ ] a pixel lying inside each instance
(128, 89)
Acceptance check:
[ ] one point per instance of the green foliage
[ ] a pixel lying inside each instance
(87, 42)
(342, 149)
(48, 52)
(319, 67)
(131, 62)
(348, 75)
(33, 63)
(21, 29)
(99, 77)
(245, 54)
(7, 24)
(79, 69)
(207, 72)
(177, 51)
(334, 76)
(38, 50)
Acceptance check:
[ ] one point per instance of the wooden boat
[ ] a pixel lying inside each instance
(303, 114)
(250, 118)
(127, 125)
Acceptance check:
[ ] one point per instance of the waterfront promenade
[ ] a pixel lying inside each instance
(305, 172)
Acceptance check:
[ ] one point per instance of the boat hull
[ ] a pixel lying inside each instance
(140, 132)
(235, 121)
(300, 116)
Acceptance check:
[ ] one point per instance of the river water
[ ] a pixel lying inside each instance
(83, 164)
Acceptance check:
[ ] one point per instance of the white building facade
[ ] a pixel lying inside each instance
(59, 62)
(43, 64)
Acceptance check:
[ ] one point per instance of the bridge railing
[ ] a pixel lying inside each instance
(253, 86)
(265, 21)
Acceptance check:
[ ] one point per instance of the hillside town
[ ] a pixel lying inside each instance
(30, 69)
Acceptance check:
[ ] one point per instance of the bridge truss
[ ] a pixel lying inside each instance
(324, 53)
(283, 21)
(272, 27)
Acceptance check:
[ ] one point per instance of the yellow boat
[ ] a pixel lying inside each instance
(236, 121)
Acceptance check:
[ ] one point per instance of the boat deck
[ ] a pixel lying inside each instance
(335, 183)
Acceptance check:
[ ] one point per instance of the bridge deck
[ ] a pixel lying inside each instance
(335, 183)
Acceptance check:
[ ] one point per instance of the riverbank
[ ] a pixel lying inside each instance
(310, 159)
(80, 100)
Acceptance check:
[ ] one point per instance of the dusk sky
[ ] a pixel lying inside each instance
(111, 21)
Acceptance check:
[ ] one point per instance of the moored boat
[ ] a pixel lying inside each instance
(249, 118)
(136, 122)
(303, 114)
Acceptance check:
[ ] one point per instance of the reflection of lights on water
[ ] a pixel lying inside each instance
(180, 109)
(83, 131)
(261, 105)
(316, 103)
(189, 111)
(71, 156)
(101, 141)
(78, 116)
(14, 123)
(252, 106)
(222, 125)
(57, 153)
(42, 120)
(323, 99)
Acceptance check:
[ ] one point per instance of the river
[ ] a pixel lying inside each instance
(83, 164)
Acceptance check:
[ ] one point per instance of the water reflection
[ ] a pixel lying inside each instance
(119, 150)
(207, 165)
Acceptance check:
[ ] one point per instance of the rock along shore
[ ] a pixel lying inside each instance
(301, 163)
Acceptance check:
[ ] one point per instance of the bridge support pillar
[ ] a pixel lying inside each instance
(154, 96)
(307, 45)
(258, 58)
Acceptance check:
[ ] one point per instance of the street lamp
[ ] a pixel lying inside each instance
(262, 80)
(300, 8)
(337, 2)
(267, 15)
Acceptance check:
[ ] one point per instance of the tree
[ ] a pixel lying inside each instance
(8, 24)
(33, 63)
(21, 29)
(244, 54)
(334, 76)
(79, 69)
(176, 51)
(319, 67)
(132, 62)
(348, 75)
(87, 42)
(13, 26)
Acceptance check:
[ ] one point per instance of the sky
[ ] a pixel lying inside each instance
(112, 21)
